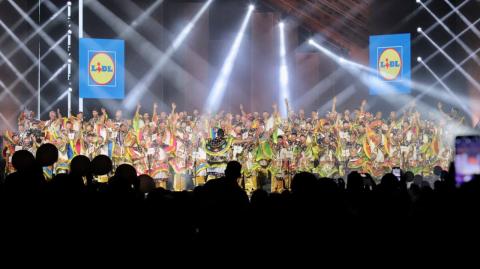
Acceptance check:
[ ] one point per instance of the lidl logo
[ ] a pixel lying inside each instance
(390, 63)
(390, 58)
(102, 68)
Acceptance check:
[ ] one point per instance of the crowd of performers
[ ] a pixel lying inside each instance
(181, 150)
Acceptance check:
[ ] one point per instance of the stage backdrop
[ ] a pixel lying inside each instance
(102, 68)
(390, 58)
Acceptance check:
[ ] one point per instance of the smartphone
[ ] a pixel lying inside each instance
(467, 158)
(396, 171)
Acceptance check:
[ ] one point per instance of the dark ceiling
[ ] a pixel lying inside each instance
(344, 22)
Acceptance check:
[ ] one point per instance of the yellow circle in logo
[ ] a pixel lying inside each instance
(389, 64)
(101, 68)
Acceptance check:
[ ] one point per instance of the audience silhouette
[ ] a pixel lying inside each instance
(325, 212)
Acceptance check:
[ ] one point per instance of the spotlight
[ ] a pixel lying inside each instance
(69, 32)
(251, 7)
(419, 59)
(419, 29)
(69, 3)
(70, 89)
(216, 93)
(69, 60)
(418, 1)
(311, 42)
(283, 71)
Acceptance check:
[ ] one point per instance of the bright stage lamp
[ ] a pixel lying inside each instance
(419, 29)
(419, 59)
(418, 1)
(281, 24)
(251, 7)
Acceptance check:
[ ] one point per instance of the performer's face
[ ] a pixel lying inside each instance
(95, 113)
(393, 115)
(118, 114)
(52, 115)
(238, 130)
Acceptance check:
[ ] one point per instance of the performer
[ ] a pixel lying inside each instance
(217, 148)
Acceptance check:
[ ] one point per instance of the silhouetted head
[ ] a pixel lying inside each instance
(47, 154)
(23, 160)
(389, 182)
(101, 165)
(409, 176)
(146, 183)
(125, 178)
(354, 182)
(233, 170)
(304, 182)
(437, 170)
(80, 165)
(259, 198)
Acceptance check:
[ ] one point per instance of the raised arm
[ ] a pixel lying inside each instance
(334, 104)
(363, 105)
(289, 112)
(104, 115)
(242, 111)
(154, 115)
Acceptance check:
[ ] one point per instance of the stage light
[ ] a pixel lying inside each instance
(281, 24)
(70, 90)
(418, 1)
(139, 89)
(283, 71)
(419, 59)
(251, 7)
(311, 42)
(454, 63)
(444, 18)
(216, 94)
(450, 32)
(463, 18)
(472, 26)
(455, 97)
(69, 3)
(419, 29)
